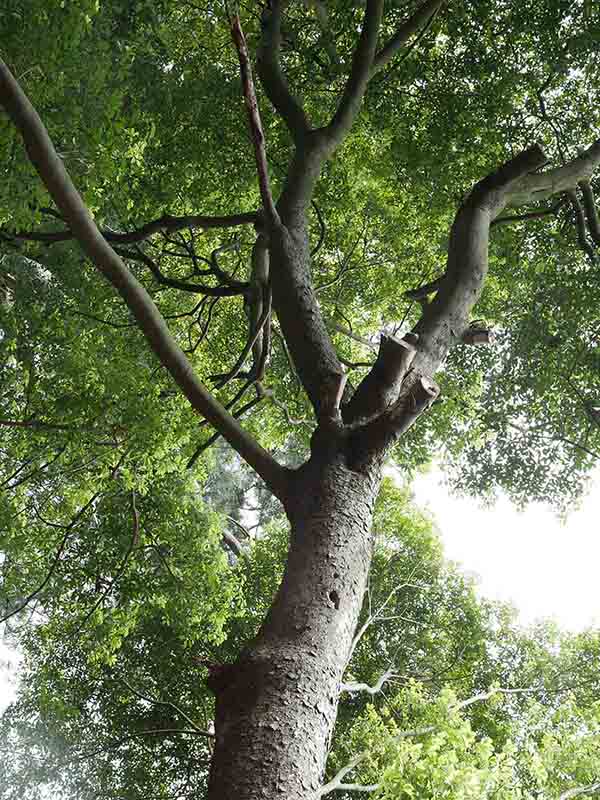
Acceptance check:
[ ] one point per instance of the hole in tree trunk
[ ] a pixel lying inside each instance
(335, 598)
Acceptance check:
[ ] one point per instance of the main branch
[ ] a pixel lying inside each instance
(444, 320)
(358, 80)
(446, 317)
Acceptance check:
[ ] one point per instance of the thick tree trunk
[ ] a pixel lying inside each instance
(276, 707)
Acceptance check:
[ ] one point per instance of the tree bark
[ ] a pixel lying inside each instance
(276, 706)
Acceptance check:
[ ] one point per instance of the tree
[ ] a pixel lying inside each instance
(276, 704)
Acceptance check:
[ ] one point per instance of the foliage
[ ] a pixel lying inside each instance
(441, 755)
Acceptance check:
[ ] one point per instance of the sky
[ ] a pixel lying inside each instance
(544, 567)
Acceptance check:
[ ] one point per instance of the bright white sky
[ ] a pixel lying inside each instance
(8, 662)
(545, 568)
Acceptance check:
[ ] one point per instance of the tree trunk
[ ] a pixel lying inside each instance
(276, 706)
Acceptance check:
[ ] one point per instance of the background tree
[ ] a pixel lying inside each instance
(100, 436)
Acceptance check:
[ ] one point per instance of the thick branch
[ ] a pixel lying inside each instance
(52, 171)
(358, 79)
(591, 212)
(167, 223)
(271, 77)
(315, 359)
(580, 225)
(445, 319)
(447, 316)
(419, 19)
(540, 186)
(380, 387)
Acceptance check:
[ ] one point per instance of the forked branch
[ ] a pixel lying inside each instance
(354, 687)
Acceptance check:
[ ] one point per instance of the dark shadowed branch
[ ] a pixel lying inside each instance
(580, 225)
(591, 211)
(256, 129)
(228, 289)
(544, 212)
(166, 223)
(271, 75)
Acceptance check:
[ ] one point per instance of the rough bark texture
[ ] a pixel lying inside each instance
(276, 706)
(296, 305)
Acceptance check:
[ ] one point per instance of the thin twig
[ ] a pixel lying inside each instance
(68, 531)
(256, 129)
(168, 703)
(121, 569)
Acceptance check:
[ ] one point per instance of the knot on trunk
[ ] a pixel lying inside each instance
(219, 677)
